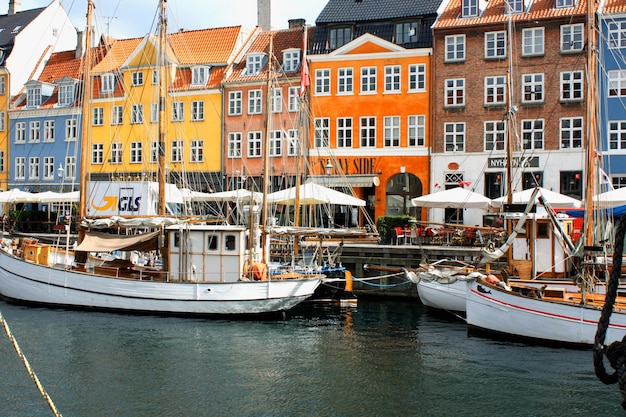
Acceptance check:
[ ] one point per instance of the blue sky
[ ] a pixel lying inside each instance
(134, 18)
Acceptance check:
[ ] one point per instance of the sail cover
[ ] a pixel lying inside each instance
(106, 242)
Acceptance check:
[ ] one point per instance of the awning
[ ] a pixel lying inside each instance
(357, 180)
(106, 242)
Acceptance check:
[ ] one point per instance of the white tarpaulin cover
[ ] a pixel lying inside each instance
(311, 193)
(555, 199)
(457, 197)
(105, 242)
(610, 199)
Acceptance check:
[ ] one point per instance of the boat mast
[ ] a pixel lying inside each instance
(591, 123)
(510, 112)
(162, 85)
(302, 118)
(86, 116)
(266, 151)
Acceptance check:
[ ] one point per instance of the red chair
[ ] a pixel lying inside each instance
(399, 234)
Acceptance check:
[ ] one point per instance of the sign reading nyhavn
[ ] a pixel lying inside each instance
(523, 162)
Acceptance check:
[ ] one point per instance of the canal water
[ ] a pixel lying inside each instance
(382, 358)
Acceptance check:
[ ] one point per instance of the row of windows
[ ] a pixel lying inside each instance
(255, 101)
(46, 134)
(470, 8)
(405, 32)
(533, 43)
(532, 89)
(278, 141)
(136, 152)
(392, 80)
(199, 77)
(137, 113)
(49, 170)
(532, 134)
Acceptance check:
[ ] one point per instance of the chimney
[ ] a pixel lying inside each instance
(264, 14)
(14, 6)
(296, 23)
(80, 43)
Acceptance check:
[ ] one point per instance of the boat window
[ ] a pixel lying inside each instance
(230, 243)
(176, 239)
(543, 232)
(212, 242)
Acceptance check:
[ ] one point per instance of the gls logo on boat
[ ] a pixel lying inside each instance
(121, 204)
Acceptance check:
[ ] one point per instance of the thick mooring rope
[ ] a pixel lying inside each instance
(616, 351)
(30, 371)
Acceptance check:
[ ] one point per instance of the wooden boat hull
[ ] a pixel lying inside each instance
(33, 283)
(495, 310)
(443, 296)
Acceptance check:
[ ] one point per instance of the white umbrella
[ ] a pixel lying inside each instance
(457, 197)
(311, 193)
(16, 195)
(555, 199)
(612, 198)
(54, 197)
(232, 195)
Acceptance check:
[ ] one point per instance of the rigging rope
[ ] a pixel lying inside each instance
(30, 371)
(616, 351)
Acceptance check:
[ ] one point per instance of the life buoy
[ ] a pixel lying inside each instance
(492, 279)
(259, 271)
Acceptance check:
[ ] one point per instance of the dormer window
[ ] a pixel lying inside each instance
(108, 83)
(339, 37)
(254, 63)
(291, 60)
(200, 75)
(470, 8)
(561, 4)
(407, 32)
(33, 97)
(66, 94)
(515, 6)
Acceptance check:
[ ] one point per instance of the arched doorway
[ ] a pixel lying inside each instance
(401, 188)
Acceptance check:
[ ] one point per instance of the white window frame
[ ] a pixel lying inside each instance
(70, 167)
(291, 60)
(177, 151)
(345, 132)
(368, 80)
(196, 151)
(178, 111)
(255, 101)
(20, 167)
(417, 77)
(116, 153)
(571, 132)
(391, 131)
(254, 63)
(20, 132)
(416, 130)
(533, 88)
(367, 131)
(322, 82)
(277, 100)
(137, 78)
(200, 75)
(454, 137)
(276, 143)
(572, 86)
(66, 94)
(197, 110)
(454, 92)
(235, 100)
(617, 135)
(294, 94)
(532, 134)
(469, 8)
(533, 41)
(97, 153)
(617, 34)
(494, 135)
(136, 152)
(48, 168)
(455, 48)
(117, 115)
(71, 129)
(572, 38)
(98, 116)
(495, 90)
(33, 168)
(345, 81)
(293, 143)
(234, 145)
(107, 83)
(393, 74)
(321, 132)
(495, 45)
(255, 144)
(617, 83)
(34, 131)
(136, 114)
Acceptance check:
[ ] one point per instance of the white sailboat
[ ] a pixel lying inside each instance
(206, 269)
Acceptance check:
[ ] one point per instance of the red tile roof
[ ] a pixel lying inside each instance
(215, 46)
(614, 6)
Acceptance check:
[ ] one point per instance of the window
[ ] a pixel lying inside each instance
(368, 132)
(254, 144)
(618, 181)
(532, 41)
(116, 153)
(417, 130)
(2, 121)
(454, 137)
(117, 115)
(197, 151)
(495, 45)
(572, 86)
(455, 92)
(532, 179)
(391, 131)
(34, 131)
(276, 143)
(294, 93)
(292, 142)
(70, 167)
(48, 131)
(345, 81)
(344, 132)
(532, 88)
(617, 83)
(515, 6)
(97, 153)
(617, 135)
(417, 77)
(177, 151)
(66, 94)
(33, 97)
(20, 132)
(154, 151)
(234, 103)
(277, 100)
(20, 167)
(291, 60)
(339, 37)
(571, 183)
(254, 63)
(1, 161)
(48, 168)
(199, 76)
(321, 132)
(3, 85)
(98, 116)
(178, 111)
(322, 81)
(136, 115)
(107, 83)
(493, 184)
(532, 134)
(407, 32)
(155, 77)
(33, 168)
(368, 80)
(617, 34)
(495, 135)
(154, 112)
(455, 48)
(572, 37)
(197, 111)
(564, 3)
(571, 132)
(137, 78)
(470, 8)
(136, 153)
(392, 79)
(255, 102)
(71, 130)
(495, 90)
